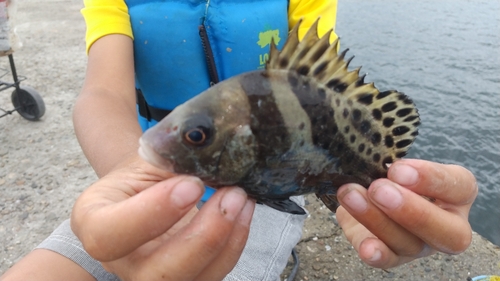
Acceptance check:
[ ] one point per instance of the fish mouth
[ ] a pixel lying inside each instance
(147, 153)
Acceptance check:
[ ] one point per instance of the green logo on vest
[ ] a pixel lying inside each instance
(265, 40)
(266, 36)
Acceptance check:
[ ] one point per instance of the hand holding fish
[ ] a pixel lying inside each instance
(391, 223)
(133, 221)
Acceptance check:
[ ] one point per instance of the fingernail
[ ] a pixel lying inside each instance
(187, 192)
(376, 256)
(404, 175)
(388, 196)
(355, 201)
(233, 202)
(246, 214)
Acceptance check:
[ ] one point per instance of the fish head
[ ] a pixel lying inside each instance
(208, 136)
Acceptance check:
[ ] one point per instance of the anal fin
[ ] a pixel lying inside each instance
(283, 205)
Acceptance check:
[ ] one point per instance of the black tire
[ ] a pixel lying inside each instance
(28, 103)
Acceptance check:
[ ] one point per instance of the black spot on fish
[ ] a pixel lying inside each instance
(389, 141)
(382, 95)
(366, 99)
(301, 143)
(400, 130)
(405, 99)
(388, 122)
(377, 114)
(390, 106)
(302, 53)
(332, 83)
(376, 157)
(403, 112)
(410, 118)
(403, 143)
(319, 52)
(361, 147)
(368, 151)
(337, 102)
(303, 70)
(331, 112)
(301, 126)
(376, 138)
(353, 138)
(346, 129)
(364, 127)
(349, 102)
(345, 113)
(283, 62)
(401, 154)
(416, 124)
(336, 85)
(335, 129)
(320, 68)
(414, 133)
(356, 115)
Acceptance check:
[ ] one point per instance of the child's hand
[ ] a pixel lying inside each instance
(391, 223)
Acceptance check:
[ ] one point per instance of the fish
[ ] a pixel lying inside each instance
(303, 124)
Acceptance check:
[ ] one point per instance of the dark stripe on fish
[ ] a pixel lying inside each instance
(267, 122)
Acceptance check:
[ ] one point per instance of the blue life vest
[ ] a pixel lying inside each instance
(170, 60)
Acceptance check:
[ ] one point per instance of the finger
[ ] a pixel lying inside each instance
(444, 230)
(231, 253)
(449, 183)
(354, 198)
(105, 230)
(187, 254)
(370, 249)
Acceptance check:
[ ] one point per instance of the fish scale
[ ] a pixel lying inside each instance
(304, 124)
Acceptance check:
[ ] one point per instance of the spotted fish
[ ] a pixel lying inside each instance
(304, 124)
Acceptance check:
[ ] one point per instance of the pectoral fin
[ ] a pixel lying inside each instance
(330, 201)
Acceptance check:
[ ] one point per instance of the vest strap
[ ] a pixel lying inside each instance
(147, 111)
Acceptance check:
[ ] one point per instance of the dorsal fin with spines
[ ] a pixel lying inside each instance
(393, 112)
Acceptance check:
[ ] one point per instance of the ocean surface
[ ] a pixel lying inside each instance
(446, 56)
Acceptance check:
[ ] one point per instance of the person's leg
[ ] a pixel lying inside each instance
(273, 235)
(46, 265)
(59, 257)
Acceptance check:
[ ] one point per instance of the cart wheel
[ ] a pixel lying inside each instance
(28, 103)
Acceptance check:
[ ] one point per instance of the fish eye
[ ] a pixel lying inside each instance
(197, 136)
(198, 130)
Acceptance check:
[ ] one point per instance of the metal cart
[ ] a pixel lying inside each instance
(26, 100)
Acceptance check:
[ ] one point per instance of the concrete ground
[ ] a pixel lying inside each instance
(42, 169)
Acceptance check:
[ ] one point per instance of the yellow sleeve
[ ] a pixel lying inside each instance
(309, 11)
(104, 17)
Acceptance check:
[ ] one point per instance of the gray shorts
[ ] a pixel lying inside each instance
(273, 235)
